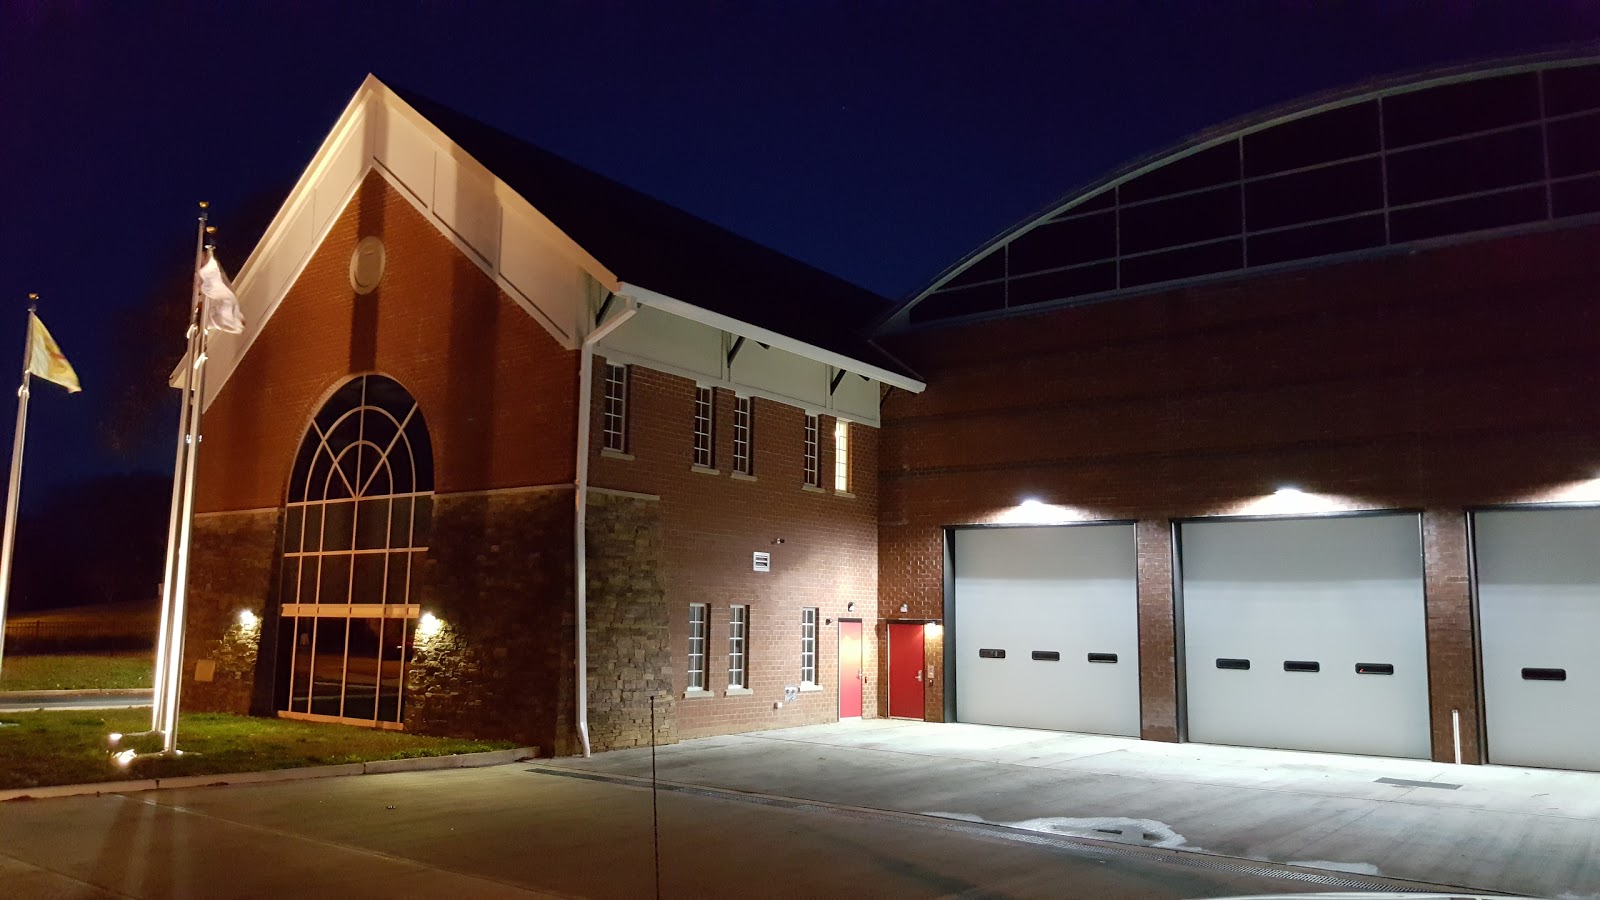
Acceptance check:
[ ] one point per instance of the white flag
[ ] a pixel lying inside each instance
(222, 307)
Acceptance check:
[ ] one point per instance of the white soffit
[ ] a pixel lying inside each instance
(648, 298)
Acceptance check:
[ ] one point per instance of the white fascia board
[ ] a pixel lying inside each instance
(647, 297)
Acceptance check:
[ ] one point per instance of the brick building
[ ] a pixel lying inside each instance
(398, 486)
(1279, 438)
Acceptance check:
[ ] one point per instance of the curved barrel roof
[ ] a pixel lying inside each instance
(1443, 157)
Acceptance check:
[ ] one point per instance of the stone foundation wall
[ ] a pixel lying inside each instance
(499, 578)
(629, 624)
(231, 565)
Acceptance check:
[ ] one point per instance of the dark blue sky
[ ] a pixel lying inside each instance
(879, 141)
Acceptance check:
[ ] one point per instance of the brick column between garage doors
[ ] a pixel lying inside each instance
(1452, 654)
(1158, 685)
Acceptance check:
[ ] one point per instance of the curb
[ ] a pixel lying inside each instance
(375, 767)
(25, 696)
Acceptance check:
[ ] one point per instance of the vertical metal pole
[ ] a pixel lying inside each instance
(158, 695)
(655, 816)
(13, 492)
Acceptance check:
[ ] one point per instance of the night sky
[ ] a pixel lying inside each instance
(878, 141)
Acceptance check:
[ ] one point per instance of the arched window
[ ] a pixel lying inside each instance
(355, 533)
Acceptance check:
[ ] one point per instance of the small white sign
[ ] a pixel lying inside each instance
(763, 561)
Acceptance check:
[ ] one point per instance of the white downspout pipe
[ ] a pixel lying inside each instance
(580, 518)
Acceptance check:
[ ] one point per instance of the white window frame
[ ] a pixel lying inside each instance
(813, 458)
(808, 647)
(743, 423)
(841, 456)
(616, 409)
(705, 423)
(699, 635)
(738, 647)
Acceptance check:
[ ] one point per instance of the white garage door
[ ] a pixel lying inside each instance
(1306, 634)
(1539, 618)
(1047, 628)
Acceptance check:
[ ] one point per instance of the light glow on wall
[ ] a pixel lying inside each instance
(248, 619)
(429, 626)
(932, 630)
(1292, 500)
(1033, 511)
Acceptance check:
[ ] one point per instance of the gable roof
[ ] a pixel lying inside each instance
(647, 242)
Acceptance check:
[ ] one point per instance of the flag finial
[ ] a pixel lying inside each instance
(205, 204)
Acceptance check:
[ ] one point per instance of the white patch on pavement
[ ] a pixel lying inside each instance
(1096, 827)
(1352, 868)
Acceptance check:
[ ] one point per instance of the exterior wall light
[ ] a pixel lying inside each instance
(428, 626)
(248, 619)
(1288, 490)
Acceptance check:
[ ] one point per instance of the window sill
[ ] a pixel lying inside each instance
(812, 488)
(697, 694)
(846, 494)
(704, 471)
(615, 454)
(737, 692)
(742, 476)
(808, 688)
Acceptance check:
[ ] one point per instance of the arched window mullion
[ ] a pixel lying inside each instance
(371, 556)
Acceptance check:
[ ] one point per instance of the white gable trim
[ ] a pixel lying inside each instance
(493, 226)
(528, 256)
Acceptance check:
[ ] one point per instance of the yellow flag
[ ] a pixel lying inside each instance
(46, 360)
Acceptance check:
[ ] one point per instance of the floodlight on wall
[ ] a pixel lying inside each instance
(1288, 490)
(248, 619)
(429, 626)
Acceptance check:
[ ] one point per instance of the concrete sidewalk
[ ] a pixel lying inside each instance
(111, 698)
(1524, 831)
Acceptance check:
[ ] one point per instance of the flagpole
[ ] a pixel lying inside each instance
(14, 491)
(180, 579)
(164, 643)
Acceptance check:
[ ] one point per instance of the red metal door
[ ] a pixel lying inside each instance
(850, 673)
(906, 698)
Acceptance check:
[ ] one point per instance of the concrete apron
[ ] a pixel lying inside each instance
(1524, 831)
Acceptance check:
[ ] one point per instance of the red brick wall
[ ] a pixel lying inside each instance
(1438, 380)
(715, 522)
(496, 389)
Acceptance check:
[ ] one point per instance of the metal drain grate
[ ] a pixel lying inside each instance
(1169, 857)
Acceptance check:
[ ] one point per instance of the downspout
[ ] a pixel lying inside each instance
(580, 517)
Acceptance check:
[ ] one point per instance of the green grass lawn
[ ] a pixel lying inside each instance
(69, 747)
(74, 671)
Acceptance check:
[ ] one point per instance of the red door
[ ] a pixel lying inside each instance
(850, 674)
(906, 699)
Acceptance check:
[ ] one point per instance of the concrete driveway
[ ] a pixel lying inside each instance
(526, 830)
(1524, 831)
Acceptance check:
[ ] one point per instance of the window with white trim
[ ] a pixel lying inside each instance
(808, 645)
(616, 415)
(841, 455)
(705, 407)
(738, 623)
(813, 465)
(698, 628)
(741, 434)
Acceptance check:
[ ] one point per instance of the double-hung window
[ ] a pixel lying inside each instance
(738, 655)
(841, 456)
(704, 420)
(741, 434)
(813, 464)
(808, 646)
(699, 627)
(616, 415)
